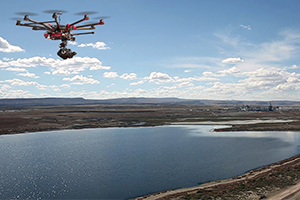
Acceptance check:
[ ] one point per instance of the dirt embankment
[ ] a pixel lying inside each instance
(266, 182)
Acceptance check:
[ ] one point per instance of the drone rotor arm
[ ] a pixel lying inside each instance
(81, 20)
(82, 33)
(101, 22)
(36, 22)
(42, 22)
(33, 26)
(88, 28)
(39, 28)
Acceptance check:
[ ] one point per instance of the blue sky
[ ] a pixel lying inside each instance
(196, 49)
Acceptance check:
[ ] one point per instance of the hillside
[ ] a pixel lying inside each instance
(23, 102)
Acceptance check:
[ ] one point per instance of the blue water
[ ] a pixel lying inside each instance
(120, 163)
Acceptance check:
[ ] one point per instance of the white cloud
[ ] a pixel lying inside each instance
(159, 77)
(58, 67)
(195, 78)
(19, 82)
(7, 59)
(137, 83)
(232, 70)
(99, 67)
(80, 80)
(54, 88)
(207, 74)
(130, 76)
(15, 94)
(8, 48)
(125, 76)
(27, 74)
(61, 72)
(15, 69)
(72, 43)
(111, 85)
(97, 45)
(65, 86)
(5, 87)
(232, 60)
(110, 75)
(246, 27)
(185, 84)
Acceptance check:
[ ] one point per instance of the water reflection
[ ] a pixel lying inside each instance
(207, 131)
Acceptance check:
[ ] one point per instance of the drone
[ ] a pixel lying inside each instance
(61, 32)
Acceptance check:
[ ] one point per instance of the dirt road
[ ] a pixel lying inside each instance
(291, 193)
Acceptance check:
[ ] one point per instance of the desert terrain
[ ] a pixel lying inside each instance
(46, 118)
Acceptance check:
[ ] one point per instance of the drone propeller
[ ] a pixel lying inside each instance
(101, 17)
(55, 11)
(86, 12)
(16, 18)
(26, 13)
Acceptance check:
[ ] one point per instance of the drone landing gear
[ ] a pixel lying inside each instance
(65, 53)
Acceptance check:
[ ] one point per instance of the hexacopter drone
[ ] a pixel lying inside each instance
(60, 32)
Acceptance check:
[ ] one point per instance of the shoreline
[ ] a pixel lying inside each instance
(234, 125)
(232, 183)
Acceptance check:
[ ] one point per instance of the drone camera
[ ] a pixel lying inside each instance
(65, 53)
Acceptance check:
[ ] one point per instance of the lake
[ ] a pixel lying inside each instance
(120, 163)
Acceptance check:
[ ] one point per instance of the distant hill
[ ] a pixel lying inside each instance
(23, 102)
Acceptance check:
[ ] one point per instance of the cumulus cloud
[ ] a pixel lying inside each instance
(232, 60)
(7, 59)
(15, 69)
(58, 67)
(137, 83)
(8, 48)
(27, 74)
(80, 80)
(185, 84)
(65, 86)
(208, 74)
(15, 94)
(130, 76)
(159, 77)
(110, 75)
(232, 70)
(97, 45)
(19, 82)
(61, 72)
(125, 76)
